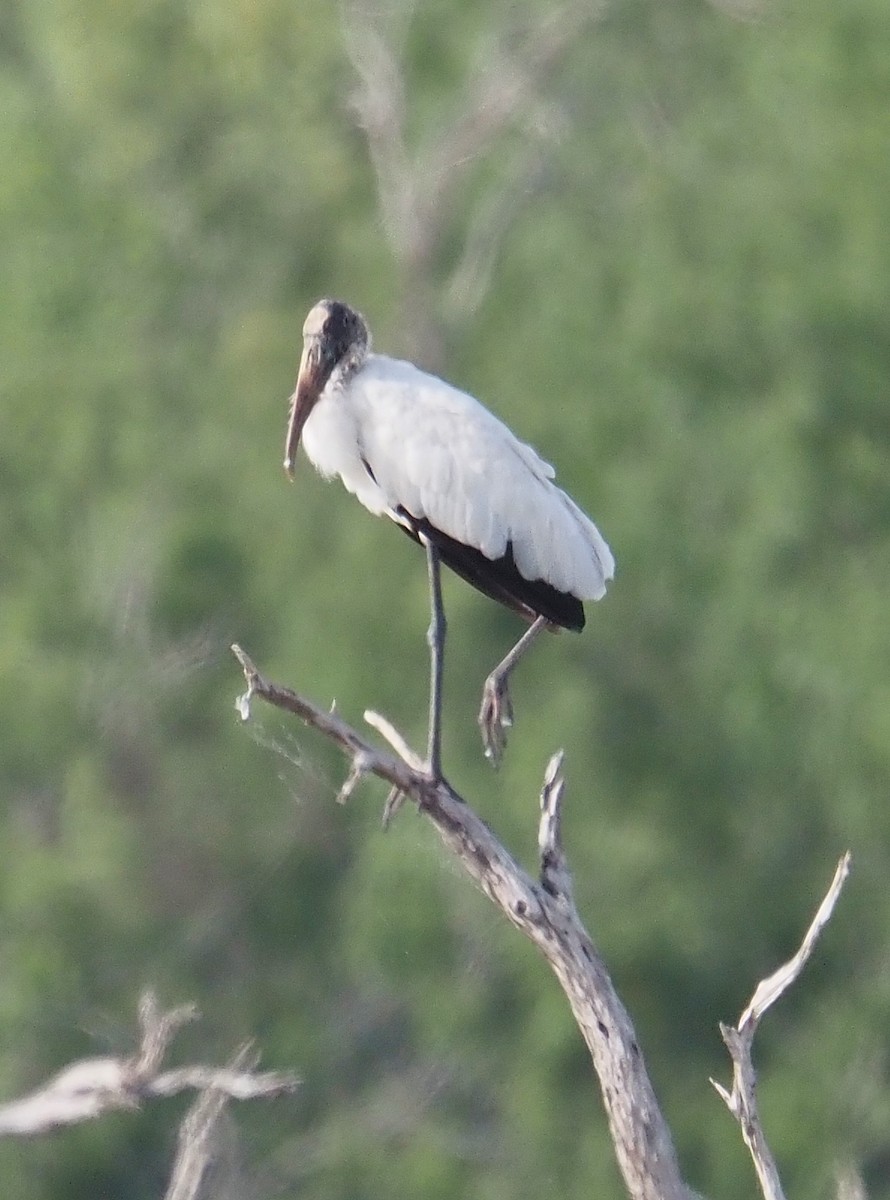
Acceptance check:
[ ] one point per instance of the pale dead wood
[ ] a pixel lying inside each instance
(87, 1089)
(544, 910)
(396, 797)
(742, 1099)
(195, 1145)
(849, 1183)
(197, 1141)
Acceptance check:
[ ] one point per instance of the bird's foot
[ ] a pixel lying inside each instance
(495, 716)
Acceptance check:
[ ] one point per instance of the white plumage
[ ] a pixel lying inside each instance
(400, 438)
(431, 457)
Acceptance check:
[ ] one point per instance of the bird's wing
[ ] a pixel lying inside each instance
(438, 453)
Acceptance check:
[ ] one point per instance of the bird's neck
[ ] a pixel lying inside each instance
(348, 366)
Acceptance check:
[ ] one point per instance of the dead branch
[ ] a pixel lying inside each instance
(94, 1086)
(544, 910)
(849, 1184)
(199, 1129)
(742, 1100)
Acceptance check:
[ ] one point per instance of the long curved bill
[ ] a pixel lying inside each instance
(310, 383)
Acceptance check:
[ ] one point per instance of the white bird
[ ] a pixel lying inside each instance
(412, 447)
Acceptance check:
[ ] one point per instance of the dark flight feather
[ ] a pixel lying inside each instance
(499, 577)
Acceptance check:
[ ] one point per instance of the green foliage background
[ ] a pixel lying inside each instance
(690, 318)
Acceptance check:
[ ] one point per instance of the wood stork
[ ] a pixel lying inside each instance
(456, 480)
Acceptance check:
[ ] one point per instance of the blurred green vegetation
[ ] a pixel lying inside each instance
(690, 318)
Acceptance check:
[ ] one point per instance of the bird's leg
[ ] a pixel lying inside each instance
(436, 639)
(496, 714)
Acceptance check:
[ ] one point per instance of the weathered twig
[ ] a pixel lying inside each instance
(94, 1086)
(198, 1130)
(387, 730)
(157, 1030)
(195, 1143)
(742, 1100)
(848, 1181)
(544, 911)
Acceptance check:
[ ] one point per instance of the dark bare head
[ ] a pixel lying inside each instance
(336, 341)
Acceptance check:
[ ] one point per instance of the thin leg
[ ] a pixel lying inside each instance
(496, 714)
(436, 639)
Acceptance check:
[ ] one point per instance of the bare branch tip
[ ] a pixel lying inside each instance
(554, 782)
(769, 990)
(554, 766)
(361, 766)
(390, 734)
(844, 866)
(148, 1008)
(394, 801)
(183, 1015)
(245, 1058)
(245, 661)
(252, 675)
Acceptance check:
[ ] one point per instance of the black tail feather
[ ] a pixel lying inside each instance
(499, 578)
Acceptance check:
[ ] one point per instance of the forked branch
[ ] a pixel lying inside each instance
(742, 1100)
(94, 1086)
(543, 909)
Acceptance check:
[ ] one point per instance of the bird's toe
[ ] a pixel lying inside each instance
(495, 717)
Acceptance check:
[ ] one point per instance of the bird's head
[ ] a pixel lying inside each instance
(335, 341)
